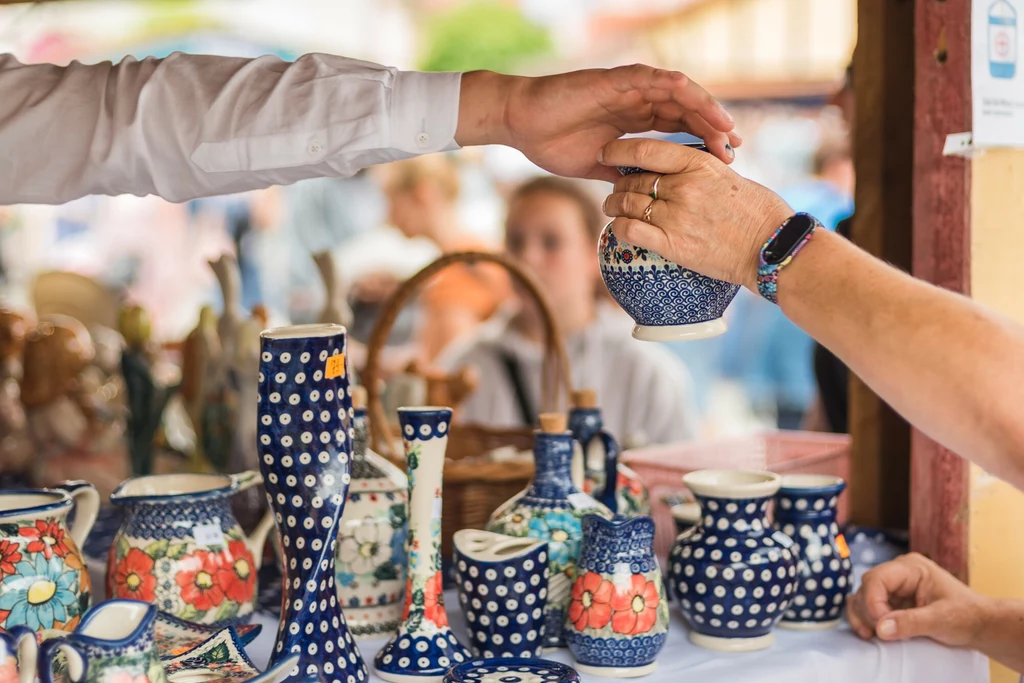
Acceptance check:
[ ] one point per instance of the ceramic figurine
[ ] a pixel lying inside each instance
(243, 377)
(667, 302)
(424, 646)
(305, 448)
(201, 363)
(115, 643)
(550, 509)
(512, 671)
(18, 655)
(601, 460)
(618, 618)
(371, 540)
(686, 516)
(181, 548)
(229, 278)
(222, 659)
(176, 636)
(336, 308)
(44, 583)
(734, 575)
(502, 585)
(805, 510)
(15, 442)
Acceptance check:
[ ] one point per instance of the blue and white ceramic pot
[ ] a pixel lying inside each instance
(734, 575)
(667, 302)
(618, 618)
(512, 671)
(805, 510)
(18, 655)
(494, 576)
(305, 447)
(686, 516)
(424, 646)
(550, 509)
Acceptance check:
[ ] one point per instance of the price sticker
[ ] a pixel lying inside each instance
(209, 534)
(844, 550)
(435, 512)
(335, 366)
(581, 501)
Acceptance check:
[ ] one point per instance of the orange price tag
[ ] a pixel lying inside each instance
(844, 550)
(335, 366)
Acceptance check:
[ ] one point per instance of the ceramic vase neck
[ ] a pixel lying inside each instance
(735, 515)
(818, 505)
(552, 478)
(618, 542)
(585, 423)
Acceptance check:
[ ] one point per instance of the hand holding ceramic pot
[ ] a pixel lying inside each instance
(706, 216)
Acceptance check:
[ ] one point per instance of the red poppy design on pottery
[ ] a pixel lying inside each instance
(590, 602)
(46, 537)
(635, 606)
(134, 577)
(197, 576)
(9, 556)
(238, 579)
(433, 601)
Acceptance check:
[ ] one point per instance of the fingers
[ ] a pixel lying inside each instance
(632, 205)
(911, 623)
(656, 82)
(658, 156)
(640, 183)
(641, 234)
(670, 117)
(855, 615)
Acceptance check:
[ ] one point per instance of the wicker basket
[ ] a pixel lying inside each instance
(475, 482)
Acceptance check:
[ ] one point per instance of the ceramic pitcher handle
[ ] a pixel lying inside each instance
(258, 537)
(77, 662)
(21, 641)
(87, 506)
(611, 472)
(246, 480)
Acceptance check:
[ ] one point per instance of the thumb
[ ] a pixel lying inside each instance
(926, 621)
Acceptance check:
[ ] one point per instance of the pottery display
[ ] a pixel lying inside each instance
(734, 575)
(600, 455)
(305, 447)
(44, 583)
(222, 659)
(424, 646)
(502, 586)
(176, 636)
(18, 654)
(370, 569)
(667, 302)
(201, 370)
(181, 548)
(15, 442)
(805, 510)
(618, 619)
(685, 516)
(512, 671)
(550, 510)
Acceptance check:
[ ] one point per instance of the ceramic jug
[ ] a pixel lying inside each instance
(618, 619)
(371, 540)
(44, 583)
(805, 510)
(181, 548)
(18, 654)
(734, 575)
(115, 643)
(550, 509)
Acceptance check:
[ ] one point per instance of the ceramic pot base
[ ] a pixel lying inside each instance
(809, 625)
(615, 671)
(407, 678)
(732, 644)
(691, 332)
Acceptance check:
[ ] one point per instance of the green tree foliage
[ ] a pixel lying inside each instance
(482, 34)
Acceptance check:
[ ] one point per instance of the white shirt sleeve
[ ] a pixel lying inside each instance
(189, 126)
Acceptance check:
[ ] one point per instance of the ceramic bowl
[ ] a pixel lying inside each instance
(512, 671)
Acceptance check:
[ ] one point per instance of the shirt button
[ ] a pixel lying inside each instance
(422, 139)
(315, 147)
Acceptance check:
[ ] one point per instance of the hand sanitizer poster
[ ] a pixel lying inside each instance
(996, 73)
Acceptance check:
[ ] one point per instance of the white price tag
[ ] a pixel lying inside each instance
(581, 501)
(209, 534)
(435, 513)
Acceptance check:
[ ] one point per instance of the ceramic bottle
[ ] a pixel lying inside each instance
(618, 618)
(550, 509)
(305, 448)
(627, 495)
(371, 561)
(734, 575)
(805, 510)
(424, 647)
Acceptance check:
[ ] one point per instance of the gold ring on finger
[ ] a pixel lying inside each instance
(654, 190)
(647, 212)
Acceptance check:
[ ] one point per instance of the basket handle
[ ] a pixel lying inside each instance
(556, 370)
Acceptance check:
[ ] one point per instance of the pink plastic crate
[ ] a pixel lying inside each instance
(785, 452)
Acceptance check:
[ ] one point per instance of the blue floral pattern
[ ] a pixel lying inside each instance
(41, 592)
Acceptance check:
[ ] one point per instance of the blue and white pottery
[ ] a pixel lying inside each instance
(734, 575)
(222, 659)
(618, 618)
(550, 509)
(805, 510)
(18, 655)
(305, 447)
(494, 576)
(424, 646)
(512, 671)
(685, 516)
(667, 302)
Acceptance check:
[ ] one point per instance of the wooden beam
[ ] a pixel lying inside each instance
(940, 479)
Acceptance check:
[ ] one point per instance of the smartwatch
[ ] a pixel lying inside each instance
(780, 249)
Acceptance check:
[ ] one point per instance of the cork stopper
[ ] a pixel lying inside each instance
(552, 423)
(359, 397)
(584, 398)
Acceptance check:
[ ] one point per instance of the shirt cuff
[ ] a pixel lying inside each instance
(425, 111)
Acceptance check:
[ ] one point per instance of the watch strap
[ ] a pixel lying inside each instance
(768, 273)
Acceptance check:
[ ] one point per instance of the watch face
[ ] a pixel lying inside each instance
(782, 244)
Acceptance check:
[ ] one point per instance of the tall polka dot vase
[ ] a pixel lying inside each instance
(502, 584)
(305, 445)
(424, 646)
(618, 618)
(805, 510)
(734, 575)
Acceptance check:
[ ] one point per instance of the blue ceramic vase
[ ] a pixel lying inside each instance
(618, 618)
(667, 302)
(734, 575)
(305, 444)
(550, 509)
(494, 576)
(805, 510)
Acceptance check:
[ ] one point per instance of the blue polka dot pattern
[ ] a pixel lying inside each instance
(426, 656)
(512, 671)
(305, 419)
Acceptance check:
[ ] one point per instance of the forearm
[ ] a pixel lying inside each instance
(1001, 636)
(955, 370)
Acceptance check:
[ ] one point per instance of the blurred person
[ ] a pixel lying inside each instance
(645, 393)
